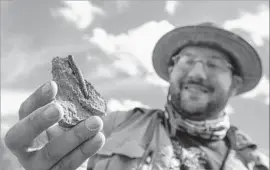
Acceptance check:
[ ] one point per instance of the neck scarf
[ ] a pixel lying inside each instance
(215, 129)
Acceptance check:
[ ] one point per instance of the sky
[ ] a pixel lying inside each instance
(112, 42)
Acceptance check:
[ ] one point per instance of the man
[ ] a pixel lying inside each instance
(205, 67)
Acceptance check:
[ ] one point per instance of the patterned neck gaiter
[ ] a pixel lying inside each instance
(215, 129)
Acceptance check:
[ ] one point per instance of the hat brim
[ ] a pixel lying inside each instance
(246, 58)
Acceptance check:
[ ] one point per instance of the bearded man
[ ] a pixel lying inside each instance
(205, 66)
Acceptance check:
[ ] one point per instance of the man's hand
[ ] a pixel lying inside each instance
(40, 144)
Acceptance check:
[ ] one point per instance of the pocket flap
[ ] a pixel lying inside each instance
(130, 149)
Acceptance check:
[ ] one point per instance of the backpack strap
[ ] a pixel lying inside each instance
(247, 150)
(151, 129)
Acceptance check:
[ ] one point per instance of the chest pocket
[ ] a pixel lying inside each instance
(131, 143)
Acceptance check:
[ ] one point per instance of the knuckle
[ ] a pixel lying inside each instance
(34, 120)
(49, 155)
(83, 151)
(64, 165)
(22, 110)
(9, 139)
(79, 135)
(92, 146)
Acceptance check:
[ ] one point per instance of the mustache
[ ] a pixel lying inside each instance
(199, 82)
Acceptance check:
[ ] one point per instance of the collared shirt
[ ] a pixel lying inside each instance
(129, 133)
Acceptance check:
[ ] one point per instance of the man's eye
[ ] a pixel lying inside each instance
(189, 61)
(212, 65)
(175, 59)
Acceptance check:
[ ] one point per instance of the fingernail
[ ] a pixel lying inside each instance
(52, 112)
(46, 87)
(93, 145)
(99, 138)
(93, 123)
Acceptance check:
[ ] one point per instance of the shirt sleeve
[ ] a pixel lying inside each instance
(114, 119)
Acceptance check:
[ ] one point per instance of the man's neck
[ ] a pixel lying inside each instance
(212, 129)
(198, 116)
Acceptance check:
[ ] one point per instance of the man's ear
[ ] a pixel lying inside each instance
(170, 69)
(237, 83)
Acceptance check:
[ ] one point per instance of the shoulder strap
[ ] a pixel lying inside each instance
(153, 125)
(239, 140)
(246, 149)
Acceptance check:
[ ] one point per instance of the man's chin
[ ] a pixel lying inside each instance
(193, 108)
(193, 114)
(194, 103)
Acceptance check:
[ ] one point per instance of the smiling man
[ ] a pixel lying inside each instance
(205, 66)
(202, 80)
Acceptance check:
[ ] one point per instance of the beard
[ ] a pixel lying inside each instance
(198, 106)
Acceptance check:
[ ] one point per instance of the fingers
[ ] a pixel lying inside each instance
(57, 148)
(42, 96)
(22, 134)
(80, 154)
(54, 131)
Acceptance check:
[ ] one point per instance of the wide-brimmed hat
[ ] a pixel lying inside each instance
(244, 56)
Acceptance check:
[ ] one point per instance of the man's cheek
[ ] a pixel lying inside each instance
(220, 84)
(225, 85)
(176, 83)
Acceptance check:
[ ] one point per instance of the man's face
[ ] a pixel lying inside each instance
(201, 82)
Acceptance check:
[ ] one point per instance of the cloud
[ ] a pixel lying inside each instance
(229, 109)
(124, 105)
(126, 62)
(103, 40)
(81, 13)
(155, 80)
(122, 5)
(11, 70)
(170, 6)
(11, 101)
(103, 71)
(18, 61)
(126, 67)
(4, 6)
(261, 89)
(15, 56)
(256, 24)
(132, 50)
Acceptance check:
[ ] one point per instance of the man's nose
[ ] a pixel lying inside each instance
(198, 71)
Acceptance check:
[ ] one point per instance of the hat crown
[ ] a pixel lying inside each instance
(209, 24)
